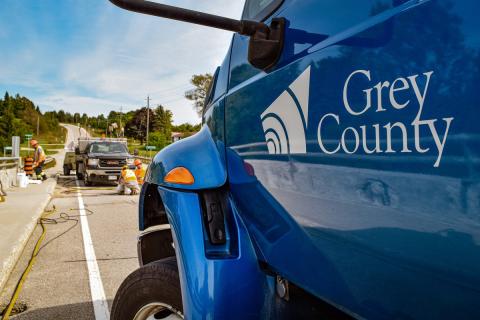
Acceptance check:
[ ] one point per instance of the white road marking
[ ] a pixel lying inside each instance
(99, 300)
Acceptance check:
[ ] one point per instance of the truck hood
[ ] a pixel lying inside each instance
(109, 155)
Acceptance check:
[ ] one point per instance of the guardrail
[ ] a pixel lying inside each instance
(8, 173)
(9, 162)
(144, 159)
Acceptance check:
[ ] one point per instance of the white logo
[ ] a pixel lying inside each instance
(285, 120)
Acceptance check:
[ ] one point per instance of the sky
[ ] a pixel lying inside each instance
(89, 56)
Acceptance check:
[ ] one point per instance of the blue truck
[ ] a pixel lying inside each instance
(336, 174)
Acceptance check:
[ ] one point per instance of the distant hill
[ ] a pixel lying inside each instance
(19, 116)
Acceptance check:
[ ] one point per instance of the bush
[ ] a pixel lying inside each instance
(158, 140)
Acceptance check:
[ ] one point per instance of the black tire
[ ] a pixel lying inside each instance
(155, 282)
(66, 170)
(78, 171)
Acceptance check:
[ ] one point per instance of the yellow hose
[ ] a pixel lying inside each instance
(92, 188)
(18, 288)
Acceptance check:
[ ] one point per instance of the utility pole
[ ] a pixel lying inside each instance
(148, 117)
(38, 125)
(120, 127)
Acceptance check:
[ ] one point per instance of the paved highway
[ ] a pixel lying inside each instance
(73, 133)
(81, 257)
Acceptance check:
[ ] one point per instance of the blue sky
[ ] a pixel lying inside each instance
(90, 56)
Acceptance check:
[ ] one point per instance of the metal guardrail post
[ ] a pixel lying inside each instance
(7, 165)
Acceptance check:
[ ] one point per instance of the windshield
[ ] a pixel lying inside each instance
(107, 147)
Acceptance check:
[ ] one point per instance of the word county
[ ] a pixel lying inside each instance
(352, 139)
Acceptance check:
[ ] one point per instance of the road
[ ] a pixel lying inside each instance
(73, 133)
(63, 281)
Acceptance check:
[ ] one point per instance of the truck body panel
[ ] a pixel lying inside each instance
(351, 167)
(371, 192)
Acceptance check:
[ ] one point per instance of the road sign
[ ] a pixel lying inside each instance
(150, 148)
(28, 136)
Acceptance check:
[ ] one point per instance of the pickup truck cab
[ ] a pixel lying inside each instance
(336, 175)
(101, 160)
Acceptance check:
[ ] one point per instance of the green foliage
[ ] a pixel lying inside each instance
(136, 127)
(186, 128)
(158, 139)
(201, 82)
(19, 115)
(163, 121)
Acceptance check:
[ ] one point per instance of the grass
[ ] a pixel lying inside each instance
(142, 152)
(48, 152)
(57, 137)
(51, 142)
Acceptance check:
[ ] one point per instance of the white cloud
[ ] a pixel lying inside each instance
(147, 55)
(121, 57)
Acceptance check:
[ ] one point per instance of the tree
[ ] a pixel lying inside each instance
(136, 127)
(163, 121)
(61, 116)
(187, 129)
(199, 93)
(159, 140)
(7, 123)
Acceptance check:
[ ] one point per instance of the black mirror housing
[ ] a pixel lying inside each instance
(264, 52)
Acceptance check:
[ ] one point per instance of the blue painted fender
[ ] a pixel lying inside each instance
(215, 288)
(197, 153)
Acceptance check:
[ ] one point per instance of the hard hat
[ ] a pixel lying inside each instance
(33, 142)
(137, 162)
(125, 167)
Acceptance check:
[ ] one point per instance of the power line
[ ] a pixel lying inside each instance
(173, 89)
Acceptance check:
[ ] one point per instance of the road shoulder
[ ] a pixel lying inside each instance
(18, 218)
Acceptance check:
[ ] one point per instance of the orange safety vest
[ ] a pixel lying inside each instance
(140, 173)
(39, 155)
(129, 176)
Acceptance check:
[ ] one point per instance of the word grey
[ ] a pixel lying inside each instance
(351, 139)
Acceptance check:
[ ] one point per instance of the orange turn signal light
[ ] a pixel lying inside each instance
(179, 175)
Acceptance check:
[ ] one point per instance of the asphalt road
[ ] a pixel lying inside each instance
(62, 282)
(73, 133)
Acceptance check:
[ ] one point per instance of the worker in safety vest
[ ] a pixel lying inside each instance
(139, 171)
(38, 160)
(127, 184)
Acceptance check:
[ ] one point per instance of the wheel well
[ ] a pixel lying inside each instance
(155, 244)
(153, 209)
(156, 241)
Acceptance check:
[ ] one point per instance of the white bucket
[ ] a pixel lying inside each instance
(22, 180)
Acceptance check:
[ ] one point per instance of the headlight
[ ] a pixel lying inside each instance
(92, 162)
(130, 161)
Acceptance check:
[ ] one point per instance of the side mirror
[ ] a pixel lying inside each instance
(266, 42)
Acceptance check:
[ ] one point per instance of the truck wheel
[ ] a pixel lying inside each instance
(66, 170)
(150, 292)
